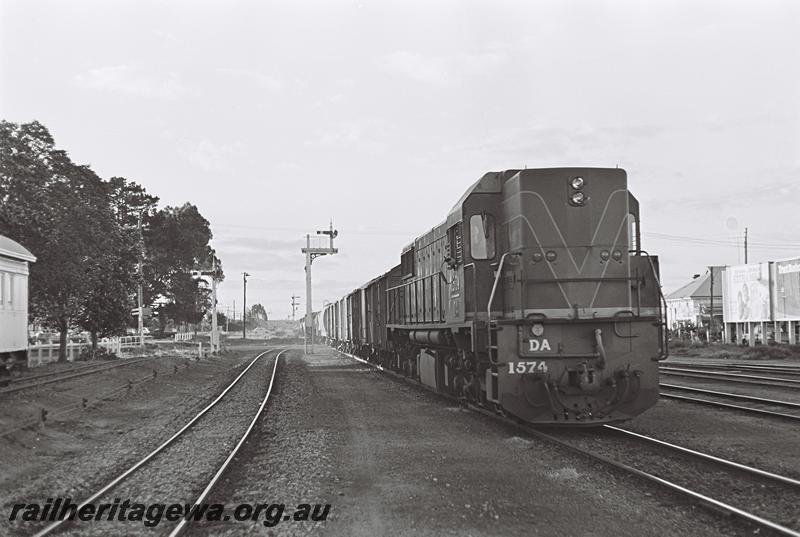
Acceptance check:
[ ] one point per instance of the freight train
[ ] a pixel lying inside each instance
(14, 259)
(533, 297)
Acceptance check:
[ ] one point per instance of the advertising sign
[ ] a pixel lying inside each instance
(747, 296)
(787, 290)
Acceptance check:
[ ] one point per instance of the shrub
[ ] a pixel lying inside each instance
(101, 353)
(770, 352)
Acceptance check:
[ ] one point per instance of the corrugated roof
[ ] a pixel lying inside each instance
(14, 250)
(700, 286)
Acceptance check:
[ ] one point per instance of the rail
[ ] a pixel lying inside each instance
(124, 475)
(717, 505)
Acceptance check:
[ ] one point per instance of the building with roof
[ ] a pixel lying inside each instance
(690, 306)
(14, 260)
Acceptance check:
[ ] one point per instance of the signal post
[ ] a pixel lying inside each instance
(214, 273)
(311, 254)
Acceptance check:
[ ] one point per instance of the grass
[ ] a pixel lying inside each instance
(730, 352)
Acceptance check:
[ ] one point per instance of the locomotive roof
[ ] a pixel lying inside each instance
(490, 182)
(14, 250)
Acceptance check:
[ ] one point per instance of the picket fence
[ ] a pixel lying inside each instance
(44, 353)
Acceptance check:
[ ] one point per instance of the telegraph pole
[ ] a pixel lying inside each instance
(140, 291)
(244, 305)
(745, 246)
(711, 318)
(294, 305)
(312, 253)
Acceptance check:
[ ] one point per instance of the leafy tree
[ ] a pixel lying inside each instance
(86, 235)
(256, 316)
(187, 301)
(60, 211)
(176, 242)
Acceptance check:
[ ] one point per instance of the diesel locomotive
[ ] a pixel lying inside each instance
(533, 297)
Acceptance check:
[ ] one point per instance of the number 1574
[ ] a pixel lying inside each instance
(526, 367)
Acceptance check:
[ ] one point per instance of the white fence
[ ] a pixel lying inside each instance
(184, 336)
(43, 353)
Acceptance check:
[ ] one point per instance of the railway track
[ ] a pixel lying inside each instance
(755, 380)
(764, 402)
(783, 491)
(173, 464)
(709, 480)
(793, 371)
(25, 383)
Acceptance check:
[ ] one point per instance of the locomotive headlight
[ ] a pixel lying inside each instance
(576, 183)
(604, 255)
(617, 255)
(578, 198)
(537, 329)
(537, 257)
(550, 255)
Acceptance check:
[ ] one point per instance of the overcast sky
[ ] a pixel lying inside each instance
(274, 117)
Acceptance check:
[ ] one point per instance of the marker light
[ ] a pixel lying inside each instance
(537, 329)
(604, 255)
(617, 255)
(578, 198)
(576, 183)
(550, 255)
(537, 257)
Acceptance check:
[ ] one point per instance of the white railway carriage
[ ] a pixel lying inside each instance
(14, 259)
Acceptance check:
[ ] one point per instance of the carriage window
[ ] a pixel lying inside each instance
(481, 236)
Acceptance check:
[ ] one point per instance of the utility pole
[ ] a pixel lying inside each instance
(711, 317)
(214, 331)
(745, 246)
(311, 254)
(140, 290)
(244, 306)
(294, 305)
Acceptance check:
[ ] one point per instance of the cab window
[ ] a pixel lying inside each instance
(481, 233)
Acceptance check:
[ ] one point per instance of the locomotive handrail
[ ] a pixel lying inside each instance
(405, 284)
(473, 333)
(584, 279)
(662, 302)
(494, 285)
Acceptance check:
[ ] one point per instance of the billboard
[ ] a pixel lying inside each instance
(747, 296)
(786, 295)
